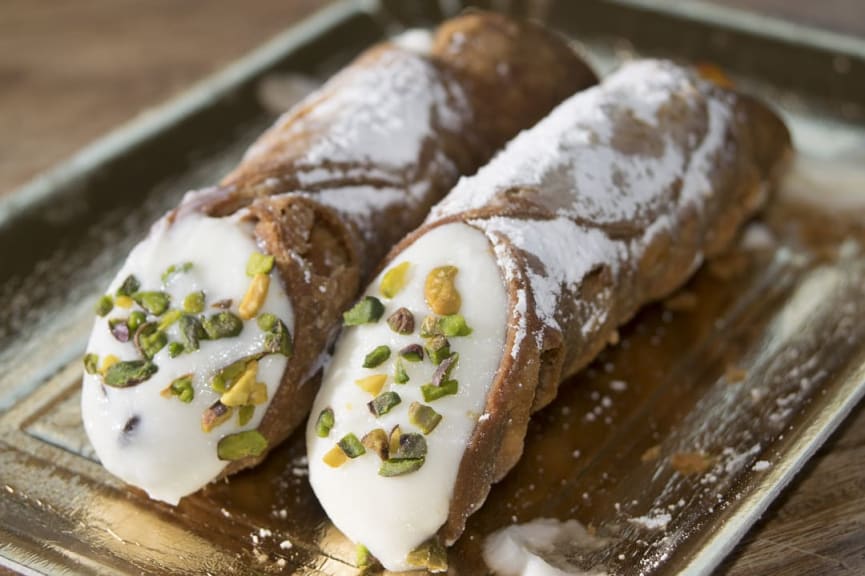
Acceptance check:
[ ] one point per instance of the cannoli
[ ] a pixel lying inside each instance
(517, 279)
(206, 347)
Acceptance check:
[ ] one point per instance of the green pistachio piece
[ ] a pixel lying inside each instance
(411, 446)
(454, 325)
(241, 445)
(443, 372)
(129, 373)
(245, 414)
(438, 348)
(424, 417)
(226, 377)
(390, 468)
(119, 328)
(182, 388)
(430, 556)
(267, 322)
(393, 439)
(175, 269)
(324, 423)
(91, 363)
(222, 325)
(394, 280)
(155, 303)
(383, 403)
(192, 332)
(351, 446)
(432, 392)
(412, 353)
(362, 557)
(376, 440)
(375, 358)
(149, 340)
(170, 318)
(259, 264)
(193, 303)
(175, 349)
(215, 415)
(401, 321)
(430, 327)
(367, 311)
(400, 376)
(104, 305)
(136, 319)
(129, 286)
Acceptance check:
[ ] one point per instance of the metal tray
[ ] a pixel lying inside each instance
(667, 449)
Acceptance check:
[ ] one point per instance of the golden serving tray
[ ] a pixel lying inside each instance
(667, 448)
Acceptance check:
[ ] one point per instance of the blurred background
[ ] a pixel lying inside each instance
(72, 71)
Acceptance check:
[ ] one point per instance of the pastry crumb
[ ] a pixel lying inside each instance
(690, 463)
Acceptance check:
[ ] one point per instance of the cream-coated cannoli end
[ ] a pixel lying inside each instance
(384, 375)
(196, 308)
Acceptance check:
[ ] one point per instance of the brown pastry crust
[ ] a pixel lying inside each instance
(755, 144)
(490, 83)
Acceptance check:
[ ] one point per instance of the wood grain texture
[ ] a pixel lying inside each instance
(70, 72)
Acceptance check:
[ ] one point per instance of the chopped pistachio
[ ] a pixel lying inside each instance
(393, 439)
(383, 403)
(149, 339)
(192, 332)
(376, 440)
(227, 376)
(255, 296)
(454, 325)
(362, 557)
(175, 269)
(401, 321)
(430, 327)
(259, 394)
(91, 363)
(443, 372)
(430, 556)
(136, 319)
(224, 304)
(241, 445)
(424, 417)
(375, 358)
(104, 305)
(367, 311)
(394, 280)
(267, 322)
(107, 362)
(334, 457)
(431, 392)
(238, 393)
(324, 423)
(222, 325)
(193, 303)
(124, 302)
(438, 348)
(412, 353)
(180, 387)
(128, 373)
(175, 349)
(411, 446)
(215, 415)
(278, 339)
(119, 328)
(351, 446)
(440, 291)
(372, 384)
(390, 468)
(170, 318)
(400, 376)
(259, 263)
(129, 286)
(245, 414)
(154, 302)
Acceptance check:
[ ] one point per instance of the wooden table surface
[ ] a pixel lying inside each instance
(71, 71)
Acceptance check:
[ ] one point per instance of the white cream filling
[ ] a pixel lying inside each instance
(166, 453)
(392, 516)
